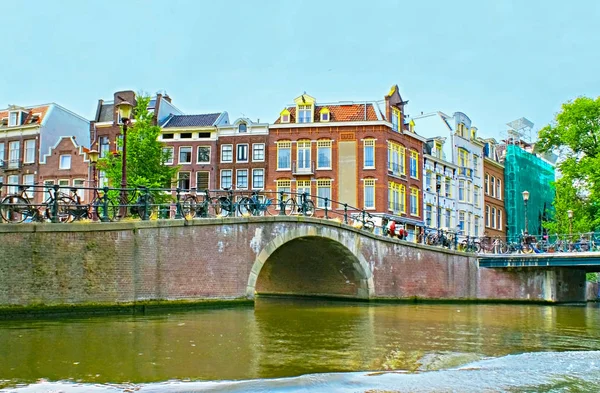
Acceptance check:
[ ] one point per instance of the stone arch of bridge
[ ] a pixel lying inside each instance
(305, 257)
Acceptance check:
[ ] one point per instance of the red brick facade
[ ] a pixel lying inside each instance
(494, 214)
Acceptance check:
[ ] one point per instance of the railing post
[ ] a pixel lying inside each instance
(178, 212)
(456, 240)
(326, 206)
(146, 215)
(281, 204)
(364, 219)
(104, 217)
(55, 204)
(345, 213)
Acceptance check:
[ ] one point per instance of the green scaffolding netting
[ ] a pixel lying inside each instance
(524, 171)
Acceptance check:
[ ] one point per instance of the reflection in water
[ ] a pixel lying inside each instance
(281, 338)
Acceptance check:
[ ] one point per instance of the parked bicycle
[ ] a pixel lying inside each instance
(257, 204)
(195, 206)
(492, 245)
(439, 238)
(306, 207)
(227, 206)
(17, 208)
(95, 210)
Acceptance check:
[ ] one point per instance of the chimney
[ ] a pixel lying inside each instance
(166, 97)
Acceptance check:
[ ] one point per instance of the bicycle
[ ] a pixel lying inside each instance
(255, 206)
(470, 244)
(134, 203)
(192, 206)
(93, 210)
(494, 246)
(17, 208)
(306, 207)
(226, 205)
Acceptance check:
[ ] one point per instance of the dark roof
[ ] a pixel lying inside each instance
(205, 120)
(106, 113)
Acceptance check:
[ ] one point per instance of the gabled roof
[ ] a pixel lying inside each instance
(204, 120)
(35, 114)
(106, 111)
(341, 112)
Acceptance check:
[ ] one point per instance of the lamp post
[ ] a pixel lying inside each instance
(438, 186)
(125, 108)
(570, 214)
(93, 157)
(525, 199)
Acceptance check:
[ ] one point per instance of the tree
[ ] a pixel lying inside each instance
(145, 155)
(575, 137)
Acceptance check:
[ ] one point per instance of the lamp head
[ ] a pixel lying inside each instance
(125, 108)
(93, 156)
(525, 196)
(570, 213)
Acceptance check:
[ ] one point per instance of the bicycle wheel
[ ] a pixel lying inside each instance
(268, 207)
(152, 209)
(309, 209)
(369, 226)
(99, 211)
(15, 209)
(290, 207)
(431, 239)
(188, 206)
(502, 247)
(225, 206)
(246, 207)
(64, 212)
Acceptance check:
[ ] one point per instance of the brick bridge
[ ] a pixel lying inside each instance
(237, 258)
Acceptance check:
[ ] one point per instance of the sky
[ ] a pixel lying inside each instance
(496, 61)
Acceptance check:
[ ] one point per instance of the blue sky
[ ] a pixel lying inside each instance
(494, 60)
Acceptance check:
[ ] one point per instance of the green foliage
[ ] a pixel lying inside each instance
(145, 156)
(575, 136)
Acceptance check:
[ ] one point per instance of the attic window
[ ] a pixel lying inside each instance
(167, 136)
(185, 135)
(304, 113)
(285, 116)
(242, 127)
(204, 135)
(325, 115)
(13, 119)
(4, 121)
(35, 118)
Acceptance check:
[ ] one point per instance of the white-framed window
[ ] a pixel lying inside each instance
(493, 187)
(304, 112)
(428, 179)
(80, 192)
(242, 152)
(476, 196)
(284, 155)
(28, 180)
(258, 179)
(487, 216)
(303, 155)
(183, 181)
(448, 218)
(461, 220)
(461, 190)
(169, 153)
(324, 191)
(185, 155)
(369, 192)
(487, 184)
(13, 179)
(226, 153)
(493, 218)
(324, 154)
(241, 181)
(65, 161)
(498, 189)
(369, 153)
(285, 186)
(14, 154)
(242, 127)
(203, 155)
(475, 166)
(63, 183)
(499, 226)
(395, 119)
(2, 153)
(469, 193)
(103, 146)
(226, 178)
(258, 152)
(324, 116)
(303, 187)
(102, 179)
(414, 201)
(428, 215)
(448, 187)
(202, 180)
(476, 223)
(29, 151)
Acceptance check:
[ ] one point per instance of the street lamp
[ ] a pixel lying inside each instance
(525, 199)
(93, 157)
(570, 214)
(124, 108)
(438, 186)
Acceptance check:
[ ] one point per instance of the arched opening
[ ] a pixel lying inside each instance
(310, 266)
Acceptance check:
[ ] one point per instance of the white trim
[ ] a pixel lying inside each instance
(237, 151)
(221, 153)
(221, 177)
(237, 184)
(179, 156)
(263, 177)
(264, 145)
(198, 153)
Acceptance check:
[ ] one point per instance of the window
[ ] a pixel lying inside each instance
(104, 146)
(428, 179)
(168, 154)
(2, 154)
(487, 184)
(29, 151)
(14, 154)
(303, 153)
(397, 197)
(185, 155)
(284, 155)
(487, 216)
(242, 179)
(448, 221)
(242, 152)
(304, 112)
(285, 116)
(498, 189)
(226, 153)
(102, 179)
(80, 192)
(28, 180)
(258, 179)
(476, 225)
(463, 158)
(414, 164)
(202, 180)
(63, 183)
(396, 158)
(13, 119)
(185, 135)
(324, 154)
(438, 180)
(476, 196)
(204, 135)
(226, 175)
(493, 186)
(396, 115)
(302, 187)
(461, 220)
(324, 191)
(119, 142)
(168, 136)
(203, 154)
(448, 185)
(468, 192)
(258, 152)
(475, 166)
(183, 180)
(493, 218)
(13, 179)
(242, 127)
(414, 201)
(438, 150)
(65, 161)
(499, 226)
(324, 116)
(369, 153)
(461, 190)
(428, 215)
(369, 191)
(284, 186)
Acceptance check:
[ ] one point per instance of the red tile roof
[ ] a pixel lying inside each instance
(339, 113)
(40, 111)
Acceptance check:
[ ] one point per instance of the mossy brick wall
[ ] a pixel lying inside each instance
(112, 263)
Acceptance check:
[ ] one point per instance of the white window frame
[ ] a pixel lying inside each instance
(369, 185)
(256, 148)
(12, 179)
(241, 148)
(80, 192)
(61, 165)
(171, 160)
(29, 179)
(237, 179)
(304, 149)
(368, 144)
(189, 173)
(221, 178)
(324, 188)
(207, 182)
(191, 155)
(198, 154)
(2, 153)
(257, 170)
(14, 154)
(324, 145)
(279, 149)
(226, 147)
(29, 147)
(498, 189)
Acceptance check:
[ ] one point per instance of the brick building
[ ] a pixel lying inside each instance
(27, 134)
(360, 153)
(493, 191)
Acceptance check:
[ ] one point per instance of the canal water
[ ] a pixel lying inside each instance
(310, 346)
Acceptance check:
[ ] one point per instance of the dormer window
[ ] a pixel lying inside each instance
(473, 133)
(305, 106)
(325, 115)
(396, 116)
(304, 113)
(4, 121)
(285, 116)
(13, 119)
(411, 126)
(242, 127)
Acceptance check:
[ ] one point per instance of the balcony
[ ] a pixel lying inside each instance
(397, 171)
(305, 168)
(12, 165)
